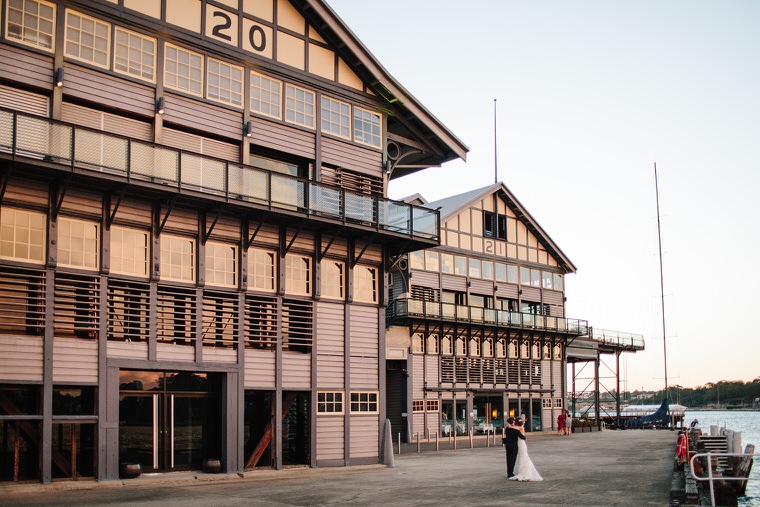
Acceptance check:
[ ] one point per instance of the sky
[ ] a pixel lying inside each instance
(590, 96)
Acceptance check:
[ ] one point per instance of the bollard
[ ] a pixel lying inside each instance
(470, 438)
(427, 430)
(436, 441)
(418, 441)
(455, 439)
(488, 442)
(399, 443)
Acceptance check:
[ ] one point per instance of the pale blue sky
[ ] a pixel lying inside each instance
(590, 94)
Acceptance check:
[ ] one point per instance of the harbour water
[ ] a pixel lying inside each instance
(748, 422)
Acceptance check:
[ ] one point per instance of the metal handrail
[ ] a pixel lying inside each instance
(618, 339)
(84, 148)
(404, 307)
(710, 477)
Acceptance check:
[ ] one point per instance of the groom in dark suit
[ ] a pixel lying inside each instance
(510, 443)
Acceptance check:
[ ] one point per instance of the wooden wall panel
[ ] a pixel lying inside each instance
(449, 282)
(353, 157)
(484, 287)
(259, 369)
(432, 373)
(133, 213)
(531, 293)
(268, 236)
(364, 331)
(107, 122)
(364, 373)
(296, 370)
(81, 202)
(75, 361)
(506, 290)
(226, 228)
(21, 358)
(330, 437)
(553, 297)
(171, 352)
(203, 116)
(21, 100)
(418, 377)
(95, 86)
(425, 279)
(28, 192)
(219, 355)
(127, 350)
(184, 221)
(364, 437)
(31, 69)
(277, 136)
(330, 346)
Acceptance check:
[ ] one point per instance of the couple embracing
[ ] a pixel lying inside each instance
(519, 465)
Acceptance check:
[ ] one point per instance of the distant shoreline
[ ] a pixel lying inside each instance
(713, 409)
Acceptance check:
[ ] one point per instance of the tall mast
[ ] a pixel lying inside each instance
(495, 161)
(662, 283)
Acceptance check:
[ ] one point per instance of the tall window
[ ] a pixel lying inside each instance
(177, 258)
(266, 95)
(129, 251)
(224, 82)
(333, 279)
(134, 54)
(336, 117)
(22, 235)
(87, 39)
(261, 269)
(31, 22)
(78, 243)
(365, 284)
(298, 274)
(299, 106)
(367, 128)
(183, 70)
(221, 264)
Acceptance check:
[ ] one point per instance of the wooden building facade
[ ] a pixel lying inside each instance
(195, 235)
(476, 328)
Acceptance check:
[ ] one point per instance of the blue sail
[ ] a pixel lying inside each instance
(658, 418)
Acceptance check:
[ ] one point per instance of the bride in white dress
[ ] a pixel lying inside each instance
(524, 469)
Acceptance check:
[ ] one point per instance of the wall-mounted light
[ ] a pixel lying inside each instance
(248, 129)
(519, 292)
(564, 299)
(58, 80)
(496, 288)
(469, 283)
(160, 105)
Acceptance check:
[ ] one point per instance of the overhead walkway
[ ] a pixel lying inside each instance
(593, 373)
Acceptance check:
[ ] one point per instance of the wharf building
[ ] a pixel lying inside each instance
(195, 237)
(477, 330)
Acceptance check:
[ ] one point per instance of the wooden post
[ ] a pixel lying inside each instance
(399, 443)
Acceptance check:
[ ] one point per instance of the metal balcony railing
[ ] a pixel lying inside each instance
(82, 148)
(617, 339)
(408, 307)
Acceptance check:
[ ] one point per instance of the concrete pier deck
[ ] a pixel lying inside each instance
(609, 468)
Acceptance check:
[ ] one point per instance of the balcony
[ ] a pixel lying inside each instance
(618, 340)
(82, 150)
(449, 312)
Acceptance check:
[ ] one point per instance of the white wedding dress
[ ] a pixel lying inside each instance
(524, 469)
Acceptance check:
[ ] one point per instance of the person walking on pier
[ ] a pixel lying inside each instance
(511, 436)
(568, 423)
(561, 423)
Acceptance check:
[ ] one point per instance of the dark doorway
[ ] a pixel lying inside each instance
(169, 420)
(295, 428)
(395, 404)
(258, 429)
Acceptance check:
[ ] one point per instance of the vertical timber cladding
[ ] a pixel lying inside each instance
(330, 431)
(364, 365)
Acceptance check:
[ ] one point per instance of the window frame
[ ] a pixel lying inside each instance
(327, 279)
(253, 275)
(210, 255)
(361, 119)
(340, 128)
(366, 406)
(269, 92)
(164, 261)
(21, 39)
(95, 256)
(120, 268)
(323, 403)
(363, 284)
(106, 63)
(295, 106)
(291, 269)
(201, 70)
(230, 81)
(143, 38)
(27, 231)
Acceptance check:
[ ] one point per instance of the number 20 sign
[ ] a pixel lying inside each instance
(222, 25)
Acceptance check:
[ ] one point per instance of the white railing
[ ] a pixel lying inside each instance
(711, 474)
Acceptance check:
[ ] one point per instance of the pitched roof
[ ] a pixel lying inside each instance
(452, 205)
(426, 141)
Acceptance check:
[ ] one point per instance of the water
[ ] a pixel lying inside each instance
(749, 425)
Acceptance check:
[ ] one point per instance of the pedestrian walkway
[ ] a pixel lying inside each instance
(609, 468)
